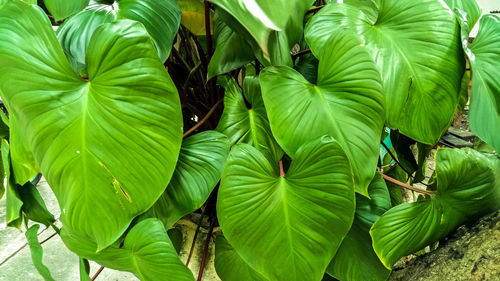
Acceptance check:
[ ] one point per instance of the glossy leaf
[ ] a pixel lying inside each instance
(23, 162)
(484, 57)
(248, 125)
(230, 266)
(403, 147)
(471, 7)
(33, 205)
(199, 168)
(415, 45)
(93, 133)
(13, 200)
(467, 187)
(147, 252)
(62, 9)
(346, 103)
(303, 216)
(193, 16)
(37, 252)
(231, 49)
(356, 260)
(160, 18)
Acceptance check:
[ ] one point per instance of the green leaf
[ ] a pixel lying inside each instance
(62, 9)
(231, 49)
(13, 200)
(175, 236)
(160, 18)
(287, 228)
(147, 252)
(106, 146)
(347, 103)
(466, 190)
(230, 266)
(84, 269)
(356, 259)
(415, 45)
(33, 205)
(248, 125)
(37, 252)
(193, 16)
(464, 91)
(484, 57)
(402, 145)
(199, 168)
(471, 7)
(23, 162)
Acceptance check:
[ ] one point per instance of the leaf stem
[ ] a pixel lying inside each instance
(404, 185)
(282, 171)
(195, 236)
(301, 53)
(205, 250)
(97, 273)
(212, 110)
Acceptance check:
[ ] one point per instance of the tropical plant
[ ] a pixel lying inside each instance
(266, 116)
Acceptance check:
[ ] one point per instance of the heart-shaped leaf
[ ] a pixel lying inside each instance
(230, 266)
(484, 58)
(199, 168)
(160, 18)
(467, 187)
(147, 252)
(106, 146)
(62, 9)
(347, 103)
(356, 260)
(244, 123)
(303, 215)
(416, 47)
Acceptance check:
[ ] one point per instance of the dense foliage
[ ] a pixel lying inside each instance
(267, 116)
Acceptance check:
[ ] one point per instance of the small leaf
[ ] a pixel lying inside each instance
(62, 9)
(147, 252)
(356, 260)
(33, 205)
(84, 269)
(37, 252)
(199, 168)
(242, 124)
(467, 187)
(303, 216)
(13, 200)
(175, 236)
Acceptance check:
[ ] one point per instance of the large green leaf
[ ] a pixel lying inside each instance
(484, 57)
(160, 18)
(230, 266)
(287, 228)
(231, 49)
(199, 168)
(466, 189)
(106, 146)
(471, 7)
(147, 252)
(37, 252)
(356, 259)
(13, 200)
(248, 125)
(62, 9)
(346, 103)
(23, 162)
(416, 47)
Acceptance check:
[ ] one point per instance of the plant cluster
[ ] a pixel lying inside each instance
(267, 116)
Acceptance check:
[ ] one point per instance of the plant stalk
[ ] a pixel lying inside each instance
(205, 250)
(407, 186)
(212, 110)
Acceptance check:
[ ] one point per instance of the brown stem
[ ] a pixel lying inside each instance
(205, 250)
(195, 236)
(212, 110)
(301, 53)
(418, 190)
(208, 30)
(282, 171)
(97, 273)
(48, 238)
